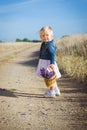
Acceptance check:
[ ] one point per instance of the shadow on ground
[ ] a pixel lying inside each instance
(7, 93)
(33, 60)
(10, 93)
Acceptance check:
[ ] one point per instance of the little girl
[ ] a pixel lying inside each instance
(47, 58)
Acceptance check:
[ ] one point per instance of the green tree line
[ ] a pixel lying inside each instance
(26, 40)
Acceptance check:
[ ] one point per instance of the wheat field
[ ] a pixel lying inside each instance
(72, 56)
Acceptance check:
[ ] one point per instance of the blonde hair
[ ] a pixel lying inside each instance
(46, 29)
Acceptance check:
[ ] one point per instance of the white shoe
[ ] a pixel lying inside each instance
(50, 93)
(57, 91)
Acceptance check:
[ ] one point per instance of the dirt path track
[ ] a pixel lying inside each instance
(23, 106)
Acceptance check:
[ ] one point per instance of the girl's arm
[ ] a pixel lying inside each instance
(52, 54)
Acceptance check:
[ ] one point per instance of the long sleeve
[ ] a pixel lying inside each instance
(40, 51)
(52, 50)
(52, 56)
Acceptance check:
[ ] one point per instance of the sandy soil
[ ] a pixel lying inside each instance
(22, 102)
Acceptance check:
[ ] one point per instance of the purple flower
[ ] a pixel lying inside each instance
(46, 74)
(42, 70)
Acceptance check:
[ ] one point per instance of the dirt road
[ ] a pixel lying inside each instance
(22, 102)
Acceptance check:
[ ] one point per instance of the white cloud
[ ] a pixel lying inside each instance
(9, 7)
(18, 5)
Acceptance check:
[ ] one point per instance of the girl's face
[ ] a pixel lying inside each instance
(46, 36)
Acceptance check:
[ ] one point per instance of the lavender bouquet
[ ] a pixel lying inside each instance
(45, 73)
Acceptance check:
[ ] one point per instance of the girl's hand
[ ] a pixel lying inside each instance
(51, 66)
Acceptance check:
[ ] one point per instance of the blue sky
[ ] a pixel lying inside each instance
(24, 18)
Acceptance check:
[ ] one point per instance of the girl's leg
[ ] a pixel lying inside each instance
(56, 89)
(50, 92)
(53, 91)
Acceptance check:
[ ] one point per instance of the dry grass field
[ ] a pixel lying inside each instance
(72, 56)
(11, 46)
(11, 49)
